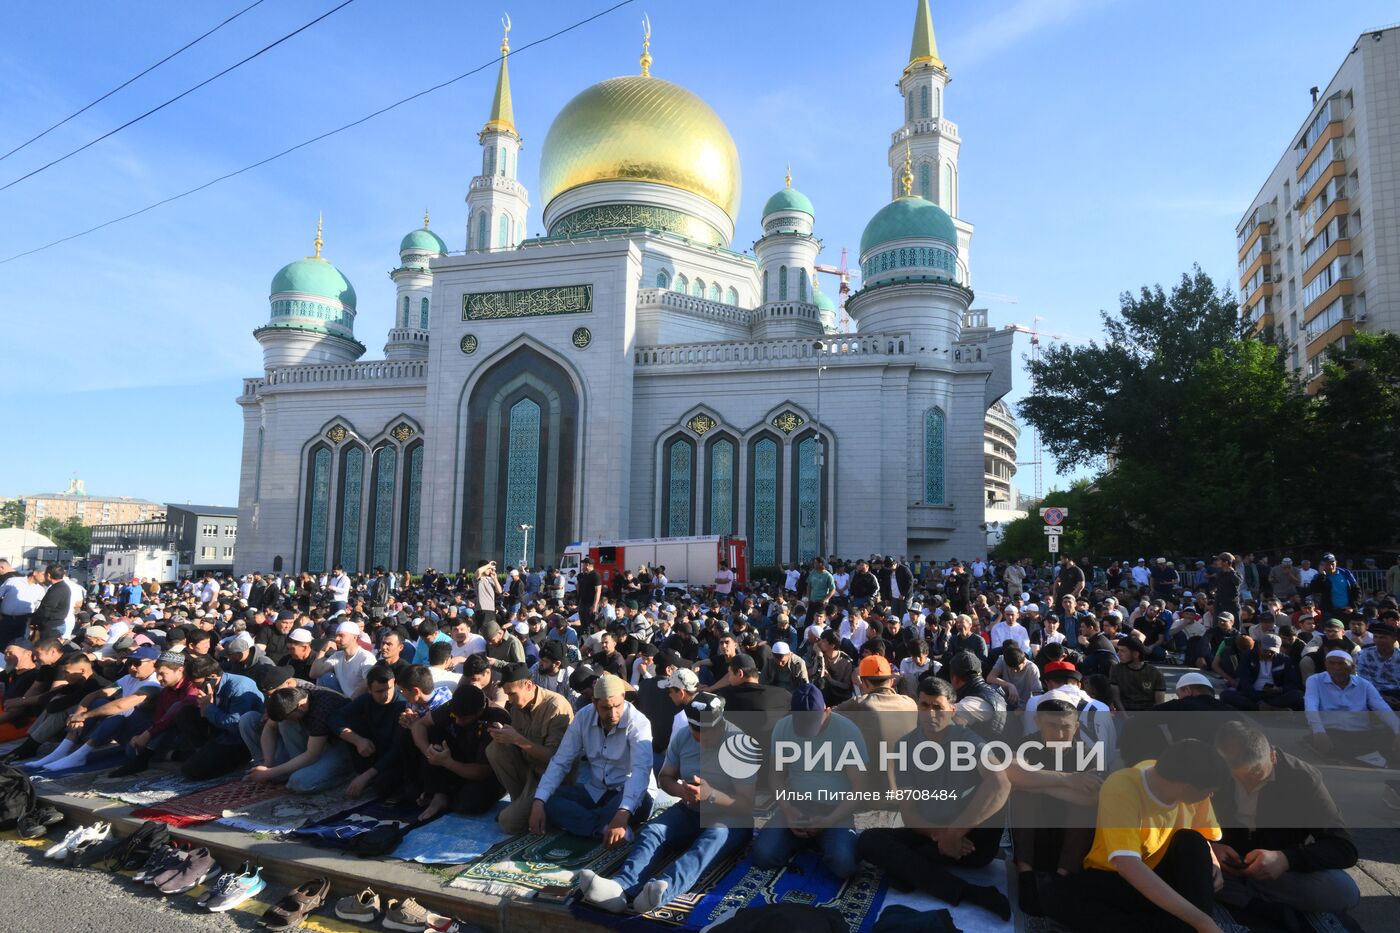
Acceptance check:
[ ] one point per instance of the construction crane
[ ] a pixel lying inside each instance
(1035, 334)
(843, 274)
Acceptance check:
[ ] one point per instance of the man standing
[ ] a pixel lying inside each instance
(820, 584)
(488, 591)
(724, 580)
(1285, 579)
(1228, 581)
(589, 588)
(520, 752)
(19, 596)
(1334, 588)
(692, 773)
(1070, 580)
(615, 738)
(53, 616)
(339, 586)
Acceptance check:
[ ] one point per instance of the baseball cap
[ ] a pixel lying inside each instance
(300, 635)
(742, 663)
(583, 677)
(682, 679)
(781, 647)
(514, 673)
(347, 628)
(1225, 615)
(1064, 669)
(270, 678)
(874, 666)
(1194, 679)
(807, 706)
(489, 628)
(1329, 556)
(609, 685)
(1270, 643)
(144, 653)
(705, 710)
(239, 644)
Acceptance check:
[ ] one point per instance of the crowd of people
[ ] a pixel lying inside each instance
(454, 692)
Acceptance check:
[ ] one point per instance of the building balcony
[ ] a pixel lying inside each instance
(1325, 138)
(1334, 210)
(1263, 291)
(1336, 169)
(1264, 228)
(1340, 248)
(1322, 302)
(1260, 322)
(1265, 258)
(1343, 328)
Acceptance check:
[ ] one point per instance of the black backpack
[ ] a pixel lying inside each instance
(16, 796)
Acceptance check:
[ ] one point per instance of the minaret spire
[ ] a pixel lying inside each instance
(924, 48)
(502, 117)
(318, 242)
(646, 46)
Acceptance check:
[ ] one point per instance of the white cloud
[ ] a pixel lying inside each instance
(1013, 23)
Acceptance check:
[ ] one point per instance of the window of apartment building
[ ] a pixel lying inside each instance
(1294, 359)
(208, 531)
(228, 552)
(1292, 291)
(230, 531)
(206, 551)
(1288, 260)
(1330, 317)
(1293, 326)
(1329, 275)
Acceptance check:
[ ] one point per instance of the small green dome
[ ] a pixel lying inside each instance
(908, 218)
(824, 301)
(425, 240)
(314, 277)
(788, 199)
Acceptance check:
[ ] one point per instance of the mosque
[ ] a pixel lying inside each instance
(630, 373)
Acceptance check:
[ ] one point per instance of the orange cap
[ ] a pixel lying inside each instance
(875, 666)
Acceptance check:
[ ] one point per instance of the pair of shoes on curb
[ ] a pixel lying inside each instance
(233, 888)
(184, 870)
(300, 902)
(83, 835)
(412, 917)
(607, 894)
(35, 824)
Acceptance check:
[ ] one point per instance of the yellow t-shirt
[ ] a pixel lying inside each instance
(1132, 821)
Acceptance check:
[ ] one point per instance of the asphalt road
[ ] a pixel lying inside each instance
(44, 899)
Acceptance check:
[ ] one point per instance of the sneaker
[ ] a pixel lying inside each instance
(197, 869)
(160, 859)
(36, 822)
(233, 888)
(96, 832)
(454, 925)
(362, 907)
(407, 915)
(138, 847)
(172, 867)
(91, 851)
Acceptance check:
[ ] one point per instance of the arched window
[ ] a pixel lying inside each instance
(945, 192)
(802, 285)
(423, 314)
(937, 103)
(923, 101)
(352, 481)
(934, 425)
(381, 506)
(412, 507)
(505, 157)
(318, 508)
(782, 282)
(679, 483)
(663, 280)
(714, 291)
(257, 470)
(722, 488)
(731, 297)
(807, 499)
(522, 479)
(682, 283)
(767, 294)
(488, 164)
(925, 182)
(909, 107)
(503, 232)
(698, 289)
(764, 501)
(403, 318)
(482, 243)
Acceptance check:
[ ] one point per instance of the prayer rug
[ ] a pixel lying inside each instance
(452, 839)
(209, 804)
(739, 884)
(527, 863)
(339, 831)
(287, 812)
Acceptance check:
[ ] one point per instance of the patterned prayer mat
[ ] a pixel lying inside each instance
(338, 832)
(526, 863)
(285, 813)
(209, 804)
(145, 789)
(721, 893)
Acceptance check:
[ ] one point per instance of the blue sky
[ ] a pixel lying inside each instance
(1106, 144)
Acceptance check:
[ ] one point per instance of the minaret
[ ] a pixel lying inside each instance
(497, 202)
(413, 290)
(932, 140)
(312, 317)
(787, 254)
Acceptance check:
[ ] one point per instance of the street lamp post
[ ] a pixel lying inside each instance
(524, 543)
(820, 347)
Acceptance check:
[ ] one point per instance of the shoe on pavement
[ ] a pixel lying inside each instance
(603, 893)
(652, 896)
(362, 907)
(138, 847)
(36, 822)
(300, 902)
(172, 867)
(97, 831)
(159, 859)
(196, 870)
(233, 888)
(407, 915)
(91, 851)
(454, 925)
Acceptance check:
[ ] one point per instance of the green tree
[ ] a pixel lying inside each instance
(1356, 430)
(50, 528)
(72, 534)
(12, 514)
(1099, 400)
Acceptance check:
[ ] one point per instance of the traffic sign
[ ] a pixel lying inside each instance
(1054, 515)
(1054, 529)
(1054, 542)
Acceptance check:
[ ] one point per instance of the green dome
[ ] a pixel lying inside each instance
(908, 218)
(823, 301)
(425, 240)
(788, 199)
(314, 277)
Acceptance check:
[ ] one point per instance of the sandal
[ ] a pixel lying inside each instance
(290, 911)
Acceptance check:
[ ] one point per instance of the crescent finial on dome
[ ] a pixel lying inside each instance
(318, 242)
(646, 45)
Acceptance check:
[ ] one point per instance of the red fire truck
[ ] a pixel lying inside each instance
(691, 563)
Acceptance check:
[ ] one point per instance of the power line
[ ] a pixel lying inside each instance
(172, 100)
(129, 80)
(316, 139)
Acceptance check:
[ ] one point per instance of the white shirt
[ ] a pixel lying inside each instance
(1305, 577)
(18, 596)
(446, 678)
(843, 583)
(474, 644)
(350, 672)
(790, 581)
(1142, 576)
(856, 633)
(978, 569)
(340, 588)
(724, 581)
(1103, 730)
(208, 590)
(1003, 632)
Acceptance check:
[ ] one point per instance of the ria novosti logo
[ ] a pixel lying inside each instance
(740, 756)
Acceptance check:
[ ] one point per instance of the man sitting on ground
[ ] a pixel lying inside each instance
(103, 716)
(692, 772)
(615, 738)
(345, 668)
(369, 726)
(1347, 715)
(176, 694)
(454, 740)
(297, 745)
(520, 752)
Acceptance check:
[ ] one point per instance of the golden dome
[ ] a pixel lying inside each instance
(637, 128)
